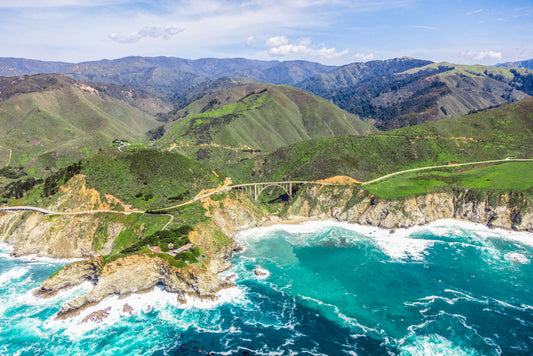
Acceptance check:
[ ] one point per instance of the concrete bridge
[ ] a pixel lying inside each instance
(255, 189)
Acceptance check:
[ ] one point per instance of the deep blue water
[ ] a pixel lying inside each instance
(445, 289)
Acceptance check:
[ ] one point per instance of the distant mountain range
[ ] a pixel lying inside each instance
(527, 64)
(404, 91)
(389, 93)
(169, 77)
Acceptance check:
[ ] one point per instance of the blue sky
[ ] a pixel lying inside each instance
(329, 32)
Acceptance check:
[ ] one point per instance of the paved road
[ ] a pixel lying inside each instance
(50, 212)
(448, 165)
(230, 187)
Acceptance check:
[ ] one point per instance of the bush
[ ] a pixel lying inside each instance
(178, 237)
(164, 246)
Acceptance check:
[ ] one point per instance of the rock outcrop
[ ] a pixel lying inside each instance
(131, 274)
(69, 236)
(70, 276)
(507, 211)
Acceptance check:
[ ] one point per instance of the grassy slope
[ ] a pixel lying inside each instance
(148, 178)
(497, 133)
(57, 126)
(501, 177)
(267, 118)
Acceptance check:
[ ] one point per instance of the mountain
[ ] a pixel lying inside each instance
(493, 134)
(171, 77)
(351, 75)
(50, 120)
(527, 64)
(22, 66)
(260, 116)
(210, 87)
(396, 96)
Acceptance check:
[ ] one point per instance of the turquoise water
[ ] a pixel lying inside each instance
(445, 289)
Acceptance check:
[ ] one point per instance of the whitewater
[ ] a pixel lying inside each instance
(317, 288)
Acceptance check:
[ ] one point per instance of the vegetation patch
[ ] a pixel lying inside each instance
(148, 179)
(510, 176)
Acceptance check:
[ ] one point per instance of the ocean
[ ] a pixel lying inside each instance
(317, 288)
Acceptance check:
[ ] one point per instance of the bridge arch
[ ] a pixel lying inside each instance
(281, 185)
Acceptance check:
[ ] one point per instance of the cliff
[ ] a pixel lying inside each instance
(131, 274)
(71, 236)
(349, 204)
(143, 271)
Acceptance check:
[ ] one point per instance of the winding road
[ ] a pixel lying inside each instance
(508, 159)
(238, 186)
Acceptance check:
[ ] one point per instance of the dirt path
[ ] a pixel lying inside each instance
(9, 158)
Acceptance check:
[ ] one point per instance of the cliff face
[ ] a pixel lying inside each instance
(73, 236)
(68, 236)
(508, 211)
(131, 274)
(59, 236)
(142, 272)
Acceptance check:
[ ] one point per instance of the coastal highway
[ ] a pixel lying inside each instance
(237, 186)
(508, 159)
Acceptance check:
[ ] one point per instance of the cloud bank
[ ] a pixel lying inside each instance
(164, 33)
(281, 46)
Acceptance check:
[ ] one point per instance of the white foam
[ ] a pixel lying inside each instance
(306, 227)
(165, 303)
(516, 257)
(12, 274)
(402, 244)
(46, 260)
(481, 231)
(434, 345)
(400, 248)
(6, 249)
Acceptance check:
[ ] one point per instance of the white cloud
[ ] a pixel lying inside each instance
(276, 42)
(57, 3)
(150, 31)
(430, 28)
(282, 46)
(484, 55)
(363, 57)
(250, 41)
(475, 11)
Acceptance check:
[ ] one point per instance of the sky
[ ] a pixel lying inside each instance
(330, 32)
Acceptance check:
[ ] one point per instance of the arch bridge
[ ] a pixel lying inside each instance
(255, 189)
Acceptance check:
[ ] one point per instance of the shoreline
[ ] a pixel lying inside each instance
(309, 225)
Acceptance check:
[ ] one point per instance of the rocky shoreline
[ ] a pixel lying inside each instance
(143, 272)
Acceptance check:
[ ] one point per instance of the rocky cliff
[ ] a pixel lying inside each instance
(131, 274)
(71, 236)
(141, 272)
(507, 211)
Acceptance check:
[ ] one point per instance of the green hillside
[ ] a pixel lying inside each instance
(51, 121)
(506, 176)
(493, 134)
(148, 178)
(405, 97)
(261, 117)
